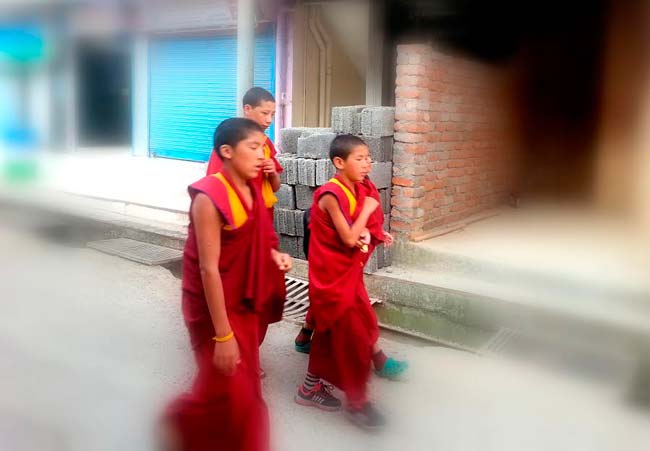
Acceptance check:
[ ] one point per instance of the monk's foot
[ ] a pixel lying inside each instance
(366, 417)
(303, 340)
(319, 396)
(262, 373)
(392, 369)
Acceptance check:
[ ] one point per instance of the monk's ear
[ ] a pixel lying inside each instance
(247, 109)
(338, 162)
(226, 152)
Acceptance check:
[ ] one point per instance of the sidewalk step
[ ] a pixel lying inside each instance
(137, 251)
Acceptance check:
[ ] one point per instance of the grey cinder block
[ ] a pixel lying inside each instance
(372, 265)
(378, 121)
(384, 195)
(306, 172)
(381, 149)
(304, 196)
(347, 119)
(289, 165)
(315, 146)
(289, 244)
(285, 221)
(325, 170)
(381, 174)
(286, 197)
(288, 139)
(299, 216)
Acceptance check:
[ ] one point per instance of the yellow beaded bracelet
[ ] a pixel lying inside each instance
(224, 339)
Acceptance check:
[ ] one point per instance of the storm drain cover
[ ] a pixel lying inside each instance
(137, 251)
(297, 304)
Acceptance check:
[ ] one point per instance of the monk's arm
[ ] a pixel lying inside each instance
(274, 179)
(208, 224)
(349, 234)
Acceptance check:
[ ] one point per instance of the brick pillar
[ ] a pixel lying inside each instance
(413, 122)
(452, 158)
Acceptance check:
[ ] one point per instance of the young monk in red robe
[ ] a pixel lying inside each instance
(231, 272)
(384, 366)
(345, 324)
(259, 106)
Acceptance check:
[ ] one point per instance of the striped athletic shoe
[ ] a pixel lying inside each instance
(320, 396)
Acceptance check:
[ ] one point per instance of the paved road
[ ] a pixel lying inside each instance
(93, 346)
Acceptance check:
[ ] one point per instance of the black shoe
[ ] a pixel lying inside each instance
(366, 417)
(320, 396)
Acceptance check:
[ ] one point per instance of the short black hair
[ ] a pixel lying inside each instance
(231, 131)
(257, 95)
(342, 146)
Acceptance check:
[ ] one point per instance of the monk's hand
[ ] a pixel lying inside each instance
(283, 261)
(388, 239)
(364, 239)
(269, 167)
(226, 356)
(370, 204)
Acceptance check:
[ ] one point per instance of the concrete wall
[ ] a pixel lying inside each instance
(453, 157)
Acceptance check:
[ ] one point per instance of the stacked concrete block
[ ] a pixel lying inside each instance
(316, 146)
(381, 148)
(347, 119)
(380, 258)
(325, 170)
(284, 221)
(306, 172)
(292, 245)
(289, 222)
(382, 174)
(384, 194)
(289, 165)
(286, 197)
(304, 196)
(305, 159)
(288, 142)
(378, 121)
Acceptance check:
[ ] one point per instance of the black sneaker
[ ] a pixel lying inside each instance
(320, 396)
(366, 417)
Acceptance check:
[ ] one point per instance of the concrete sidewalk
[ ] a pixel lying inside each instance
(94, 345)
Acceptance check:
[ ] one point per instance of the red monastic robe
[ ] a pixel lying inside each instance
(214, 165)
(345, 323)
(228, 412)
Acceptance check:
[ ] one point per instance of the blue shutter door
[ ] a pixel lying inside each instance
(193, 87)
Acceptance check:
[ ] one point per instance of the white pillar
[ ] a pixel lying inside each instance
(140, 96)
(245, 48)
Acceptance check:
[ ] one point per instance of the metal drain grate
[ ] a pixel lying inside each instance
(137, 251)
(498, 342)
(297, 304)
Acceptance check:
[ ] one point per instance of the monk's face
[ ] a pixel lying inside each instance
(357, 166)
(247, 157)
(263, 113)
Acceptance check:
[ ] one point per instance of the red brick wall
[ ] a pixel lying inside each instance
(452, 156)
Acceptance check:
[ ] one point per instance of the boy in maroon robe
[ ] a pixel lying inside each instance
(384, 366)
(259, 106)
(343, 232)
(232, 271)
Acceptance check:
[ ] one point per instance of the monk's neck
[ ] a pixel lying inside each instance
(237, 180)
(347, 182)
